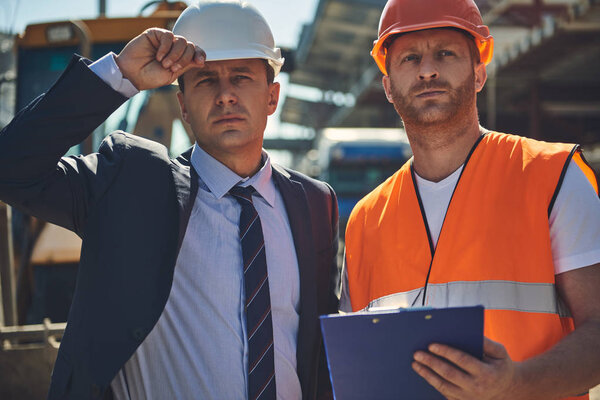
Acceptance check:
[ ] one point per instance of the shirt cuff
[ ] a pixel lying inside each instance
(107, 69)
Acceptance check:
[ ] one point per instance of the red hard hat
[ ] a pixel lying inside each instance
(400, 16)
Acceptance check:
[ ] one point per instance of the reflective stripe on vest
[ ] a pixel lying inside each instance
(493, 295)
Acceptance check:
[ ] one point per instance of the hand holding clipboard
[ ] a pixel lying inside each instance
(370, 354)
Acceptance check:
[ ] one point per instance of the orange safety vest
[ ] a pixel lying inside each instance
(494, 247)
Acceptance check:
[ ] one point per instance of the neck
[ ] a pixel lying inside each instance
(245, 170)
(439, 150)
(244, 164)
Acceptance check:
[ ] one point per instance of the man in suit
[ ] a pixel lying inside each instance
(171, 302)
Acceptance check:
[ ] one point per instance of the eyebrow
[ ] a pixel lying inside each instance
(209, 73)
(203, 73)
(444, 43)
(241, 69)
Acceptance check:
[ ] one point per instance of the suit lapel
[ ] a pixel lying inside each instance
(186, 189)
(296, 205)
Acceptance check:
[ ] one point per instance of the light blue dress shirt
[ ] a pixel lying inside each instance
(198, 348)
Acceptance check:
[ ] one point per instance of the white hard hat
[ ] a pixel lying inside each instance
(229, 30)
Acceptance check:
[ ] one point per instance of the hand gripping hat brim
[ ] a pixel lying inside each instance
(229, 30)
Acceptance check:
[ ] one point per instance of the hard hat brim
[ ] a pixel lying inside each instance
(275, 63)
(275, 60)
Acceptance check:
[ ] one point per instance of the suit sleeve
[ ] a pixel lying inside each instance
(34, 177)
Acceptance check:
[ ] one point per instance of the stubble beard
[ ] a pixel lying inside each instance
(436, 123)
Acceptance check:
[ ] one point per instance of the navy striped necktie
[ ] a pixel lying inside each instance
(259, 324)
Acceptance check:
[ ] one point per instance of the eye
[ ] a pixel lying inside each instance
(410, 58)
(241, 78)
(205, 81)
(446, 53)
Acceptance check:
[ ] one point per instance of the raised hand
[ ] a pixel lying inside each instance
(157, 57)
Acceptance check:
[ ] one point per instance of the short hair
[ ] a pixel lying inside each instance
(269, 69)
(473, 50)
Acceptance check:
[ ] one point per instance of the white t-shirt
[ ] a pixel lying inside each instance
(574, 221)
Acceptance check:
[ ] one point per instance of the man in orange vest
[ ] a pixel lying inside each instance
(478, 217)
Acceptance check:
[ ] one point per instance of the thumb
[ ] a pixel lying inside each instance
(493, 349)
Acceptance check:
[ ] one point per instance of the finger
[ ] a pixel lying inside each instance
(197, 61)
(493, 349)
(165, 44)
(200, 56)
(177, 50)
(153, 35)
(457, 357)
(443, 368)
(186, 58)
(446, 388)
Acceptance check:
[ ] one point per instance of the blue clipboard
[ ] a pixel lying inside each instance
(370, 353)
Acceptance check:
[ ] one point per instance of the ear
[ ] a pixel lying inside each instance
(184, 113)
(387, 87)
(480, 76)
(273, 99)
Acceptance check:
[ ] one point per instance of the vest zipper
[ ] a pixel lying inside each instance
(432, 248)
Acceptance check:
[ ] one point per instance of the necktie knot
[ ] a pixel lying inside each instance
(242, 194)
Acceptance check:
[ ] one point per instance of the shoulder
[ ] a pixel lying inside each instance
(320, 196)
(526, 147)
(523, 158)
(132, 146)
(374, 202)
(309, 184)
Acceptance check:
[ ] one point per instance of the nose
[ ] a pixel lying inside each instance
(226, 94)
(428, 69)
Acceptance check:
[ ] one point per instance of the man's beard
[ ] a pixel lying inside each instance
(455, 105)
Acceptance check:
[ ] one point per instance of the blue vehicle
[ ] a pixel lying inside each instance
(354, 161)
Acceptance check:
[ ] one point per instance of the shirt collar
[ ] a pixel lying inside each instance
(219, 179)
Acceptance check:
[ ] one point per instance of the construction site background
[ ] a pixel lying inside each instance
(542, 83)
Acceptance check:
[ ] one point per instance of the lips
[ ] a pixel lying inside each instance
(430, 93)
(228, 119)
(429, 89)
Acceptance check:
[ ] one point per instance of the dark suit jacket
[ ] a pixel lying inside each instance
(130, 204)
